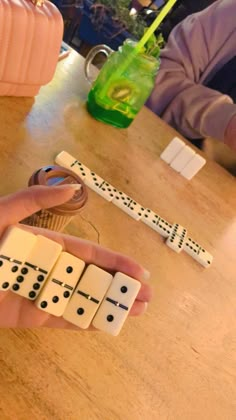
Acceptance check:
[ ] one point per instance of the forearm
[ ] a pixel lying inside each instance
(199, 112)
(179, 95)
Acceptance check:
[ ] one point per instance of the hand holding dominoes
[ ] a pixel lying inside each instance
(62, 275)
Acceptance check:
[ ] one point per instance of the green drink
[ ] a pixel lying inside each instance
(122, 86)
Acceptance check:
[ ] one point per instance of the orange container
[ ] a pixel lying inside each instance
(30, 40)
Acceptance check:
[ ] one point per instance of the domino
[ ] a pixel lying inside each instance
(177, 238)
(163, 227)
(173, 148)
(156, 222)
(193, 167)
(182, 158)
(128, 205)
(69, 162)
(150, 218)
(107, 191)
(100, 186)
(117, 303)
(15, 245)
(87, 296)
(60, 284)
(35, 270)
(198, 253)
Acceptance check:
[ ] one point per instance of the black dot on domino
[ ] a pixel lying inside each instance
(123, 289)
(32, 294)
(20, 279)
(55, 299)
(15, 287)
(14, 268)
(69, 269)
(40, 277)
(5, 285)
(1, 263)
(43, 304)
(66, 294)
(80, 311)
(110, 318)
(36, 286)
(24, 270)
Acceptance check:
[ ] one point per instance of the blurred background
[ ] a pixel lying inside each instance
(91, 22)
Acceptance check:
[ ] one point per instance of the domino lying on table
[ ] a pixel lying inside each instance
(176, 235)
(61, 284)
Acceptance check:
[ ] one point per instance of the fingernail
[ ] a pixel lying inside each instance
(145, 306)
(75, 187)
(146, 275)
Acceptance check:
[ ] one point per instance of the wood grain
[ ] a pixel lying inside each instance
(176, 362)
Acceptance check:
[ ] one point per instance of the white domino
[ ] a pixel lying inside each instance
(156, 222)
(193, 166)
(198, 253)
(182, 158)
(163, 227)
(150, 218)
(107, 191)
(117, 303)
(177, 238)
(35, 270)
(15, 245)
(173, 148)
(128, 205)
(87, 296)
(69, 162)
(60, 284)
(100, 186)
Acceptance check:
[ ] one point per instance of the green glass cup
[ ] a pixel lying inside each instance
(123, 84)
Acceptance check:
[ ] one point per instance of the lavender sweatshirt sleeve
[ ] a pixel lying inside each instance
(196, 49)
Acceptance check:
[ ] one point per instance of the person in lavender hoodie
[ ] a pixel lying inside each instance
(195, 89)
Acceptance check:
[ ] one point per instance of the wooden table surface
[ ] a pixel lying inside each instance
(178, 361)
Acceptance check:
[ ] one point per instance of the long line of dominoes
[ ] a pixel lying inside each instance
(176, 236)
(61, 284)
(182, 158)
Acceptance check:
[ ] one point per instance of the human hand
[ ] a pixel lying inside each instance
(230, 133)
(16, 311)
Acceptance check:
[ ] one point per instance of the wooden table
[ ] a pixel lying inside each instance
(176, 362)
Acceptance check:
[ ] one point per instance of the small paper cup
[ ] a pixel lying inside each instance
(57, 218)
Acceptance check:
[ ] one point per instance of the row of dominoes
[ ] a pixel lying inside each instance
(182, 158)
(61, 284)
(176, 235)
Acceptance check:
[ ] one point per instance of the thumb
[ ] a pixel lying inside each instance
(23, 203)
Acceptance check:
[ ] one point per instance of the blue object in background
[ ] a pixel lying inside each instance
(108, 34)
(79, 26)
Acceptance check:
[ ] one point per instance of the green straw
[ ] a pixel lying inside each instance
(140, 44)
(154, 25)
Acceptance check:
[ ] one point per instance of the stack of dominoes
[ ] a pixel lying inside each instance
(62, 285)
(182, 158)
(176, 235)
